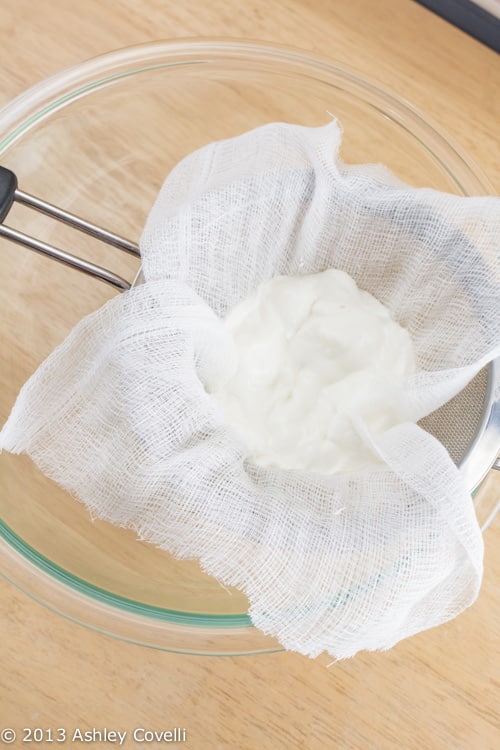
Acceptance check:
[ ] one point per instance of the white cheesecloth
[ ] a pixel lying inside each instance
(119, 414)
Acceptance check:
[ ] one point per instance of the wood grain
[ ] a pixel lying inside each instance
(435, 691)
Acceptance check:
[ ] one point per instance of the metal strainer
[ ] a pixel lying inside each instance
(468, 425)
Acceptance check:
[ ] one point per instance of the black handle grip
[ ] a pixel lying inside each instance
(8, 186)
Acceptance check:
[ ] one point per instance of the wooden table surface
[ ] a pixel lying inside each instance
(435, 691)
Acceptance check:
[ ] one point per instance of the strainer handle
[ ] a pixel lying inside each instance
(9, 193)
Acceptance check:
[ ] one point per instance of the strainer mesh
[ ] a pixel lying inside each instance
(457, 422)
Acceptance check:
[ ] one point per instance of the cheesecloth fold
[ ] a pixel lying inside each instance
(121, 416)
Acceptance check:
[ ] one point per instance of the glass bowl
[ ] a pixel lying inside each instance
(98, 140)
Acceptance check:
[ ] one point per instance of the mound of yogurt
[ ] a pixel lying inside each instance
(318, 363)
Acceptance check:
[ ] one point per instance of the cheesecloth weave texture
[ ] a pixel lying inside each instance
(121, 416)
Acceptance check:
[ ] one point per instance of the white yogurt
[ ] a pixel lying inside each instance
(314, 354)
